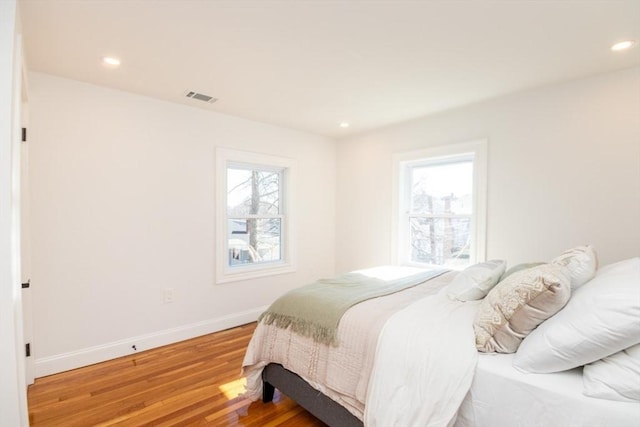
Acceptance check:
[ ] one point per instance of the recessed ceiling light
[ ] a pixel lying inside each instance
(344, 125)
(623, 45)
(110, 61)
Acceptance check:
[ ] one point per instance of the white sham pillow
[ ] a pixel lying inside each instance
(582, 263)
(600, 319)
(475, 282)
(616, 377)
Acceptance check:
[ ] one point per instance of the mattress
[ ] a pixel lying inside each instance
(502, 396)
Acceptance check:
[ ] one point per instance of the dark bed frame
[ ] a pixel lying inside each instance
(325, 409)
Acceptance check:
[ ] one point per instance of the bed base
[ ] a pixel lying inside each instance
(325, 409)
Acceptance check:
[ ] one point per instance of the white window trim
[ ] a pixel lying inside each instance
(224, 272)
(477, 148)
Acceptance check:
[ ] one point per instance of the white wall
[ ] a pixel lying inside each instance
(123, 202)
(564, 169)
(123, 206)
(13, 389)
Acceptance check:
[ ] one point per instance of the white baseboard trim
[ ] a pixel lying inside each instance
(87, 356)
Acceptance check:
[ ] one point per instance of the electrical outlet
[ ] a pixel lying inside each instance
(167, 296)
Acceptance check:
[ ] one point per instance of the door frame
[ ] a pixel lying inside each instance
(13, 405)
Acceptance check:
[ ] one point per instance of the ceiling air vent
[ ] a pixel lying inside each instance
(201, 97)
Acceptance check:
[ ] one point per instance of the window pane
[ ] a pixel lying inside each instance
(253, 192)
(442, 189)
(440, 241)
(254, 240)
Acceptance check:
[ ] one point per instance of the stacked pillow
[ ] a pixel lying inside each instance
(531, 310)
(581, 262)
(599, 326)
(616, 377)
(519, 267)
(602, 317)
(518, 304)
(527, 295)
(475, 282)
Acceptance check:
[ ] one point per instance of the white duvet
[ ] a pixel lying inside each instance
(424, 364)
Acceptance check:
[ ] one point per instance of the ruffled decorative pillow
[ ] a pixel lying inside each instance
(582, 263)
(517, 305)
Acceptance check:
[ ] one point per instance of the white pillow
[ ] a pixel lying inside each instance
(601, 318)
(581, 262)
(616, 377)
(475, 282)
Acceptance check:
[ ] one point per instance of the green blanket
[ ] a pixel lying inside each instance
(315, 310)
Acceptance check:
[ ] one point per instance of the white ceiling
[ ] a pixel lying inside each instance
(312, 64)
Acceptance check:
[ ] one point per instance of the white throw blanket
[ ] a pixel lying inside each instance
(424, 365)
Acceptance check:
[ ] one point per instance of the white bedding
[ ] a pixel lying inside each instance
(342, 372)
(499, 395)
(502, 396)
(424, 364)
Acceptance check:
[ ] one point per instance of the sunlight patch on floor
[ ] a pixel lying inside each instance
(233, 389)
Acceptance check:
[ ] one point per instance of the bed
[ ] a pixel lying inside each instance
(410, 358)
(501, 395)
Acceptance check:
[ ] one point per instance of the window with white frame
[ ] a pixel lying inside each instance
(253, 220)
(440, 205)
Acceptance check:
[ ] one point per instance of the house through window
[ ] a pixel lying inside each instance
(441, 206)
(439, 216)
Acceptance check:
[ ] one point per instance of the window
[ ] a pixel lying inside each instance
(253, 225)
(254, 217)
(440, 207)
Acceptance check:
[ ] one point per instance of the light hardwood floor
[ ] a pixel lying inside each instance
(194, 382)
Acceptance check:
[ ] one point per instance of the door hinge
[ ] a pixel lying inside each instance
(24, 134)
(27, 349)
(27, 284)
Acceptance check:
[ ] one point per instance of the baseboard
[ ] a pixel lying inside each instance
(87, 356)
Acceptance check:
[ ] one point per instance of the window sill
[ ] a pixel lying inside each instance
(246, 273)
(436, 266)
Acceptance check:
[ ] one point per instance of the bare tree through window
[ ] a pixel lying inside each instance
(254, 215)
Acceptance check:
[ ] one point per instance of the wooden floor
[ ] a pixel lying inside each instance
(194, 382)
